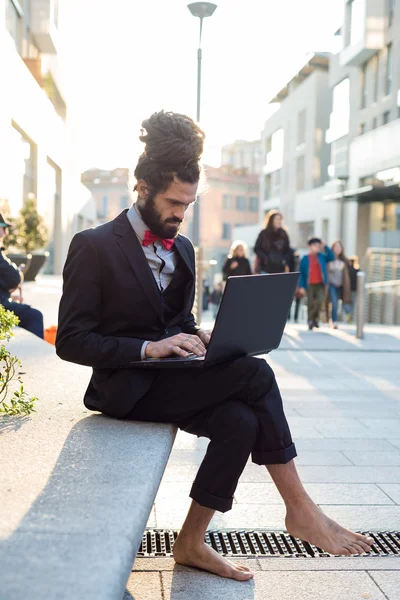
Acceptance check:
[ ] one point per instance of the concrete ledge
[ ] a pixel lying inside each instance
(76, 488)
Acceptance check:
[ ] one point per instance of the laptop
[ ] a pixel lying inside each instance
(250, 321)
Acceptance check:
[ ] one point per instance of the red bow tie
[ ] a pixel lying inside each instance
(150, 238)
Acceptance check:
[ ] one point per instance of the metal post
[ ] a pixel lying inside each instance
(360, 305)
(196, 207)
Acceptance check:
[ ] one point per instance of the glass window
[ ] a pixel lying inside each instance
(267, 186)
(305, 231)
(14, 22)
(388, 75)
(253, 203)
(340, 116)
(356, 24)
(226, 231)
(23, 167)
(386, 117)
(300, 175)
(240, 202)
(301, 127)
(103, 207)
(376, 76)
(124, 202)
(361, 129)
(391, 4)
(374, 123)
(364, 85)
(227, 201)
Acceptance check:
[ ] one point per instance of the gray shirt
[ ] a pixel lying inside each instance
(155, 254)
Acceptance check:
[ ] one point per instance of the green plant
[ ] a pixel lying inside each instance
(29, 231)
(19, 403)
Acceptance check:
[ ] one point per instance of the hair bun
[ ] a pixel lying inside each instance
(172, 139)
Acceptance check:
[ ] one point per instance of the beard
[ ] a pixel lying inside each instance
(164, 229)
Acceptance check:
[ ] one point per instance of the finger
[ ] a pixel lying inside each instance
(179, 351)
(198, 350)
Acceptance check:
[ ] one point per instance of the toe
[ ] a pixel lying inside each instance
(241, 575)
(356, 548)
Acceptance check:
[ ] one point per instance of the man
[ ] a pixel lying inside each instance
(10, 280)
(128, 294)
(314, 278)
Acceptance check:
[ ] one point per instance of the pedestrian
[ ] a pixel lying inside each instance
(11, 279)
(339, 282)
(314, 278)
(143, 308)
(354, 268)
(216, 298)
(237, 262)
(272, 246)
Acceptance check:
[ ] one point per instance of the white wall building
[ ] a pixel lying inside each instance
(36, 154)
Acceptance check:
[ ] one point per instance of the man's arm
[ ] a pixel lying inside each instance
(328, 254)
(10, 277)
(80, 314)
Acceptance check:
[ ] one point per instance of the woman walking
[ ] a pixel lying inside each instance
(339, 282)
(272, 248)
(237, 262)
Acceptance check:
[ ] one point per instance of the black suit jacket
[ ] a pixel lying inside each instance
(110, 305)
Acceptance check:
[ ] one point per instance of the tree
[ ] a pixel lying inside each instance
(29, 231)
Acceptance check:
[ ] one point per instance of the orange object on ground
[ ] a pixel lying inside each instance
(50, 334)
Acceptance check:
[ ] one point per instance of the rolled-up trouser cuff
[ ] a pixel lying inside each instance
(276, 457)
(209, 500)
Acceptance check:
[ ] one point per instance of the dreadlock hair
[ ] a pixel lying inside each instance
(173, 147)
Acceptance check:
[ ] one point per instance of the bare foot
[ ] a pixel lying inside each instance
(204, 557)
(308, 522)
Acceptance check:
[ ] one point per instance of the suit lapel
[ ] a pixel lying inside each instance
(131, 247)
(184, 254)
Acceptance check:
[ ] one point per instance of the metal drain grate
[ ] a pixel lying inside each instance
(159, 542)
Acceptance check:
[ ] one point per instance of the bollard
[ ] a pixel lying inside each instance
(360, 305)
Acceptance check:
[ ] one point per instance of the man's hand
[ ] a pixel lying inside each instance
(205, 336)
(181, 344)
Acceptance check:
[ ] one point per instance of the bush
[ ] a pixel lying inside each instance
(29, 231)
(19, 403)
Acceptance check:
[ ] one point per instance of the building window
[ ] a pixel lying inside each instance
(386, 117)
(227, 201)
(355, 13)
(123, 202)
(23, 167)
(391, 4)
(267, 186)
(361, 129)
(305, 231)
(301, 127)
(14, 21)
(376, 76)
(226, 231)
(268, 145)
(340, 116)
(240, 202)
(374, 123)
(388, 75)
(253, 204)
(103, 207)
(300, 175)
(364, 85)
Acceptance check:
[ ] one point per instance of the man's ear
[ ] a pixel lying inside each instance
(143, 189)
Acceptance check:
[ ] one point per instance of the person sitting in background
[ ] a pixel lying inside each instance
(314, 278)
(339, 282)
(272, 246)
(216, 298)
(237, 262)
(10, 281)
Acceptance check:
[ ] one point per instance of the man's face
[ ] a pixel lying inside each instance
(164, 213)
(3, 232)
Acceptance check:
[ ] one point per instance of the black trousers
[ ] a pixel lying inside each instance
(236, 405)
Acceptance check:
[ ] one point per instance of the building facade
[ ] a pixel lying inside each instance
(365, 124)
(242, 156)
(296, 153)
(36, 158)
(110, 191)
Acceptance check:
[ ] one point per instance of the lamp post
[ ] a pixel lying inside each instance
(200, 10)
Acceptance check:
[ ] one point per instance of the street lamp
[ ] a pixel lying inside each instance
(200, 10)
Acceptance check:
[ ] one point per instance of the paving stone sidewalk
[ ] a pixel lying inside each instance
(342, 401)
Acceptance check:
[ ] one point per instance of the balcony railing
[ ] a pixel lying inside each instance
(44, 17)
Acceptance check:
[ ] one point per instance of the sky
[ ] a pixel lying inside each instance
(125, 59)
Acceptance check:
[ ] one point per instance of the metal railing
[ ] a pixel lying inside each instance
(383, 302)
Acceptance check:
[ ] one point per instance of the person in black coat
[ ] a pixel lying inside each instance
(272, 248)
(11, 278)
(129, 288)
(237, 262)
